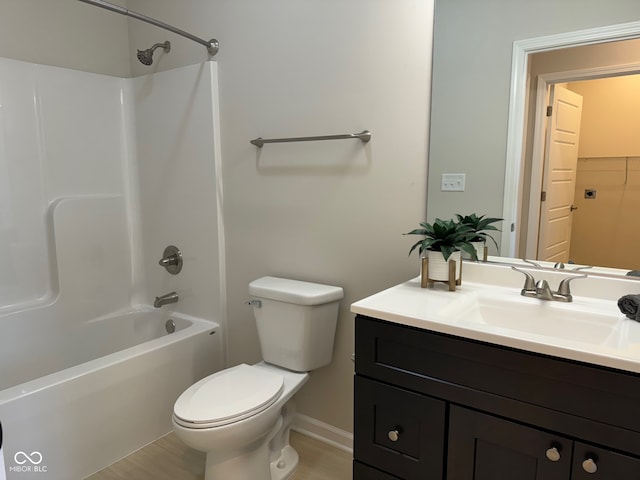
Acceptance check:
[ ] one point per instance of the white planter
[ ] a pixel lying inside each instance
(479, 246)
(439, 268)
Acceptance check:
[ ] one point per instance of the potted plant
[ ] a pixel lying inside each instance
(480, 225)
(443, 240)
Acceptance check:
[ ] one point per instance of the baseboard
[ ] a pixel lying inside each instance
(323, 432)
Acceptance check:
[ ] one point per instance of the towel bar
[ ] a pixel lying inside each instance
(364, 136)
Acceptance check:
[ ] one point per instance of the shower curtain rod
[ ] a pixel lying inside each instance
(212, 45)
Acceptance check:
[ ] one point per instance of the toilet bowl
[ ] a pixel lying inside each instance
(236, 431)
(241, 416)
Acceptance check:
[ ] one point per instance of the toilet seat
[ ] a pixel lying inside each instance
(227, 397)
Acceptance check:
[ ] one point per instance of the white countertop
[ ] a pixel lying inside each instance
(618, 344)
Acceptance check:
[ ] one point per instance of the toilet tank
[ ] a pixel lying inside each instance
(296, 321)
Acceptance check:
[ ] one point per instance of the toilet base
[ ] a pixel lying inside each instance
(284, 467)
(245, 466)
(251, 465)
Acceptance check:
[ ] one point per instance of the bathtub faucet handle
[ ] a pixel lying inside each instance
(171, 260)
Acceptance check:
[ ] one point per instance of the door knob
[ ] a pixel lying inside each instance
(572, 208)
(589, 465)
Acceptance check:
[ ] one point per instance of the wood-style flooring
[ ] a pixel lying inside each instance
(169, 459)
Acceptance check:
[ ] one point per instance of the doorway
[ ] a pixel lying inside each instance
(607, 160)
(605, 194)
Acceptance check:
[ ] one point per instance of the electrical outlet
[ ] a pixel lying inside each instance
(452, 182)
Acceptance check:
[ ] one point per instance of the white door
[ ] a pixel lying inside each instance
(559, 178)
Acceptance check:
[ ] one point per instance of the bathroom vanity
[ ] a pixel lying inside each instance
(446, 387)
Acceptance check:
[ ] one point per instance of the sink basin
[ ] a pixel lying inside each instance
(595, 323)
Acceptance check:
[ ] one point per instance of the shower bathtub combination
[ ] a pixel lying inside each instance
(88, 370)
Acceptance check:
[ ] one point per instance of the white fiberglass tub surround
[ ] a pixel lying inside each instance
(87, 181)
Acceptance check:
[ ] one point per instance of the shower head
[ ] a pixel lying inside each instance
(146, 56)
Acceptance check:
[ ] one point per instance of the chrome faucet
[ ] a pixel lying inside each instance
(535, 264)
(165, 299)
(171, 260)
(542, 290)
(560, 266)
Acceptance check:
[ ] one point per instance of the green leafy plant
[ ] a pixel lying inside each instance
(444, 236)
(480, 225)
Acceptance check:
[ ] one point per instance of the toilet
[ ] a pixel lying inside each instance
(241, 416)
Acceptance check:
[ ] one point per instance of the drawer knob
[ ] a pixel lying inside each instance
(394, 434)
(589, 465)
(553, 454)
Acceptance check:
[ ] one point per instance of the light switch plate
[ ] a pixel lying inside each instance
(452, 182)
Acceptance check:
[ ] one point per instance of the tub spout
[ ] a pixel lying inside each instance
(166, 299)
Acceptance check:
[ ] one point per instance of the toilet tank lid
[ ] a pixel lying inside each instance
(294, 291)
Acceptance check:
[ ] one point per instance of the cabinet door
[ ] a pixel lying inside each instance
(593, 463)
(398, 431)
(483, 447)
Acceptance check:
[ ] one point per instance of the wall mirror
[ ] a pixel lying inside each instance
(507, 117)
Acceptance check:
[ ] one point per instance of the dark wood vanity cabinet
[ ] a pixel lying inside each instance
(430, 406)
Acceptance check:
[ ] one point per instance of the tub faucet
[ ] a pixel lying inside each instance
(165, 299)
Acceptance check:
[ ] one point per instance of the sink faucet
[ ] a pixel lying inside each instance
(560, 265)
(542, 290)
(165, 299)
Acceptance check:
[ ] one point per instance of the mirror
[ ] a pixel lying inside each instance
(485, 95)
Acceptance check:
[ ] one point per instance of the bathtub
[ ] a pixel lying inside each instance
(74, 400)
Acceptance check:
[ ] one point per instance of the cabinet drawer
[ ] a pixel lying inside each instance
(398, 431)
(422, 361)
(593, 463)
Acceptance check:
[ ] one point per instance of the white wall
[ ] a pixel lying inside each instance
(471, 80)
(330, 212)
(65, 33)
